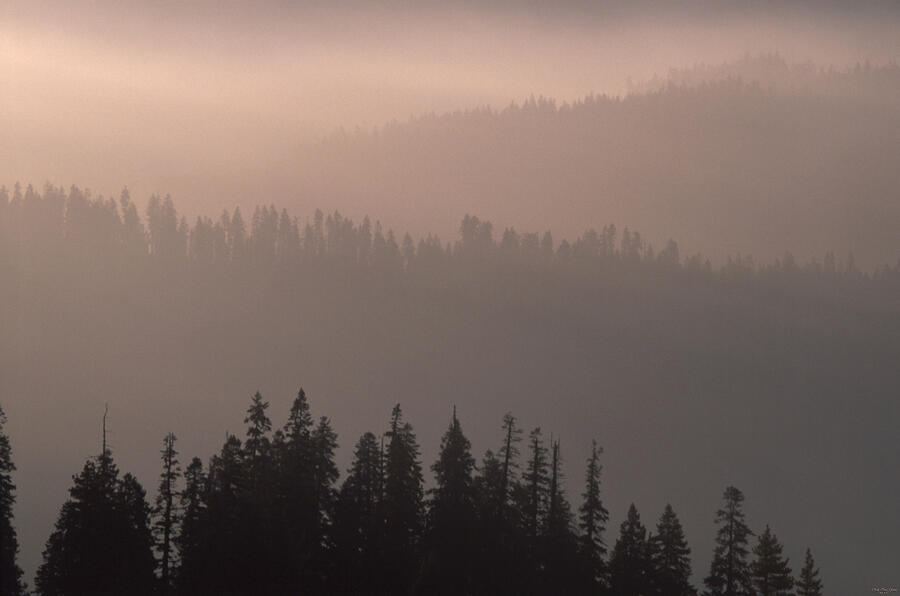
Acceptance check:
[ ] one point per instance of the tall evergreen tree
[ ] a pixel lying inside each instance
(534, 487)
(101, 544)
(10, 573)
(452, 515)
(770, 571)
(402, 504)
(629, 564)
(166, 513)
(257, 444)
(670, 557)
(593, 517)
(297, 492)
(325, 474)
(809, 583)
(192, 539)
(358, 527)
(509, 454)
(729, 573)
(228, 526)
(559, 554)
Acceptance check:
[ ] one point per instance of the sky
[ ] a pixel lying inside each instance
(209, 101)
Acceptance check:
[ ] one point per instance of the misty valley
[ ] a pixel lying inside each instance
(600, 341)
(449, 297)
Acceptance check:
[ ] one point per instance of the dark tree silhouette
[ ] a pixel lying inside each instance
(192, 540)
(593, 517)
(629, 564)
(451, 518)
(101, 543)
(509, 454)
(358, 525)
(809, 583)
(402, 504)
(10, 575)
(166, 513)
(670, 557)
(533, 500)
(729, 573)
(769, 571)
(559, 554)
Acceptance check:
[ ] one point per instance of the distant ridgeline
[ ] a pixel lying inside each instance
(267, 515)
(56, 229)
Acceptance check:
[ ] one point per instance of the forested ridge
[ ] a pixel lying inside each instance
(268, 515)
(757, 154)
(103, 300)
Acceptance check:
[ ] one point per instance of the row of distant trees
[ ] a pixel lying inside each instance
(267, 515)
(58, 228)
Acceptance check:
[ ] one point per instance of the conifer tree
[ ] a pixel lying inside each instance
(629, 564)
(592, 519)
(10, 573)
(191, 540)
(809, 583)
(452, 515)
(402, 503)
(535, 486)
(509, 454)
(770, 571)
(166, 512)
(560, 546)
(729, 573)
(670, 557)
(324, 476)
(358, 527)
(297, 492)
(257, 444)
(101, 543)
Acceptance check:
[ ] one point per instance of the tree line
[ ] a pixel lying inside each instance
(58, 228)
(268, 515)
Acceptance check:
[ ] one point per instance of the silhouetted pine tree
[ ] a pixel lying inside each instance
(101, 544)
(729, 573)
(358, 526)
(450, 545)
(166, 513)
(629, 564)
(10, 574)
(534, 486)
(402, 505)
(296, 493)
(258, 525)
(770, 572)
(509, 454)
(504, 549)
(592, 521)
(559, 544)
(530, 496)
(809, 583)
(325, 474)
(670, 557)
(227, 523)
(192, 540)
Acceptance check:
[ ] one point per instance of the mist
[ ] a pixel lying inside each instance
(686, 245)
(220, 105)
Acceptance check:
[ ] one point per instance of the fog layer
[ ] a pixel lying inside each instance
(218, 105)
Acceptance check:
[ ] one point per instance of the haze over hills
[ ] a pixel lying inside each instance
(686, 243)
(780, 379)
(757, 157)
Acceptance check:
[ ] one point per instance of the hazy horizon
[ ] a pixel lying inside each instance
(734, 128)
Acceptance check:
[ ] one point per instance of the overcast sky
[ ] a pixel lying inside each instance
(206, 100)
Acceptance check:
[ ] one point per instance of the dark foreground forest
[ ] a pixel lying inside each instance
(779, 377)
(267, 517)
